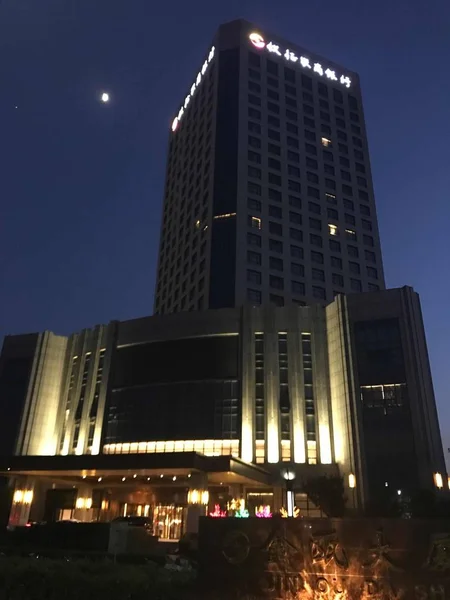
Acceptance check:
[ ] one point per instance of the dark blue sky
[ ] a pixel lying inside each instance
(81, 182)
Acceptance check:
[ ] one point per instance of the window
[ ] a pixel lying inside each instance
(364, 210)
(254, 74)
(254, 172)
(254, 296)
(254, 239)
(254, 222)
(357, 142)
(318, 275)
(289, 89)
(294, 156)
(254, 113)
(277, 300)
(292, 142)
(290, 114)
(254, 127)
(318, 292)
(276, 263)
(350, 234)
(337, 96)
(273, 94)
(297, 269)
(275, 228)
(293, 186)
(273, 107)
(330, 183)
(336, 262)
(289, 75)
(334, 246)
(296, 251)
(275, 211)
(276, 246)
(315, 224)
(332, 229)
(373, 287)
(296, 234)
(368, 240)
(254, 204)
(369, 256)
(309, 122)
(274, 164)
(315, 240)
(254, 276)
(273, 135)
(327, 155)
(312, 177)
(353, 251)
(274, 195)
(332, 214)
(326, 142)
(273, 148)
(307, 82)
(367, 225)
(295, 217)
(350, 219)
(276, 282)
(317, 257)
(362, 181)
(295, 202)
(310, 135)
(363, 195)
(354, 267)
(293, 171)
(254, 142)
(311, 162)
(311, 149)
(292, 128)
(331, 198)
(254, 258)
(272, 82)
(254, 157)
(313, 192)
(355, 285)
(254, 99)
(358, 154)
(329, 169)
(298, 287)
(272, 67)
(254, 59)
(274, 179)
(348, 204)
(337, 279)
(372, 272)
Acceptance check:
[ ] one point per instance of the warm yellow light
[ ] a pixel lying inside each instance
(438, 480)
(256, 222)
(332, 229)
(351, 481)
(325, 444)
(83, 502)
(28, 497)
(326, 142)
(273, 451)
(448, 482)
(198, 497)
(225, 216)
(18, 496)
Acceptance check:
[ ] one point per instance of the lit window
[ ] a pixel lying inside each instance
(332, 229)
(255, 222)
(326, 142)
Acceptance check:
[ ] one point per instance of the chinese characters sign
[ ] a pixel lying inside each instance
(303, 61)
(193, 89)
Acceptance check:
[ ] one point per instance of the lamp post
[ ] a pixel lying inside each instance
(289, 476)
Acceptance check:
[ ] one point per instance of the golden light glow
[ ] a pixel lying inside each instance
(332, 229)
(351, 481)
(198, 497)
(18, 496)
(438, 480)
(273, 451)
(256, 222)
(23, 497)
(247, 442)
(325, 444)
(83, 503)
(326, 142)
(225, 216)
(206, 447)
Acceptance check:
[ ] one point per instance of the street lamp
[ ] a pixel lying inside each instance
(289, 476)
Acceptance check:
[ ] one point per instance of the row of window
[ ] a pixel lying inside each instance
(277, 282)
(276, 212)
(254, 239)
(292, 76)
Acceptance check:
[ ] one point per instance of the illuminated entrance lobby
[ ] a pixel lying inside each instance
(176, 416)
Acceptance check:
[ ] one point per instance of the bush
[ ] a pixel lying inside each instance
(47, 579)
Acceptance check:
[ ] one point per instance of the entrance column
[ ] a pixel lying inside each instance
(83, 504)
(22, 499)
(198, 498)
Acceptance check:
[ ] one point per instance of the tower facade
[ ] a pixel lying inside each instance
(269, 195)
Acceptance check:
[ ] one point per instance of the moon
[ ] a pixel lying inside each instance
(104, 97)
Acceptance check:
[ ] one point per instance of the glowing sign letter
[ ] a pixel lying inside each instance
(345, 81)
(199, 78)
(204, 67)
(331, 74)
(288, 55)
(318, 68)
(257, 40)
(271, 47)
(305, 62)
(211, 54)
(175, 124)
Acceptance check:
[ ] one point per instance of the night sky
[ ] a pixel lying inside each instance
(81, 182)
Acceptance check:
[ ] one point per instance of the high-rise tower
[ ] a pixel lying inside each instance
(269, 194)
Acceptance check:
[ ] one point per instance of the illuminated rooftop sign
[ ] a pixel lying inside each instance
(194, 86)
(303, 61)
